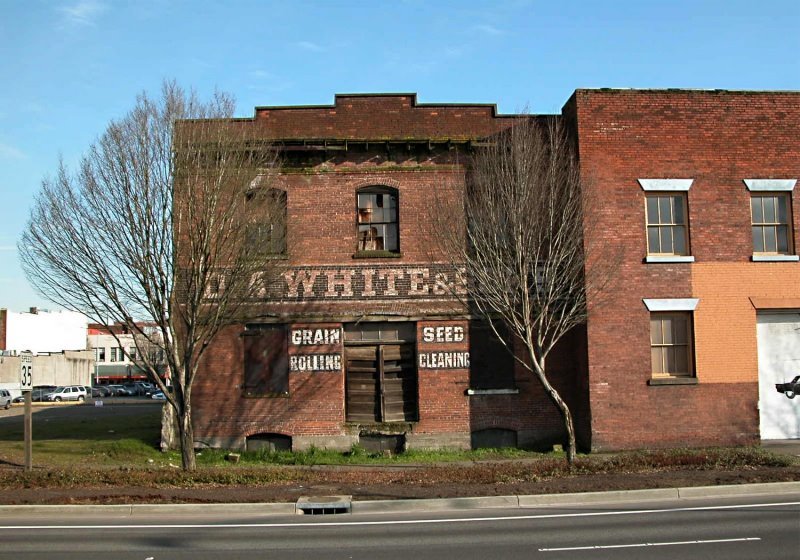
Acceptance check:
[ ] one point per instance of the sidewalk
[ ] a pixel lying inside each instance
(783, 446)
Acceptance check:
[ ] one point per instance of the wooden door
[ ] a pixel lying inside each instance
(363, 384)
(381, 383)
(399, 382)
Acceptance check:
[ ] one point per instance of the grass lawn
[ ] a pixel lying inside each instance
(74, 440)
(85, 440)
(113, 445)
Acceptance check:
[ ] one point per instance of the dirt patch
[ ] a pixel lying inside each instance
(373, 483)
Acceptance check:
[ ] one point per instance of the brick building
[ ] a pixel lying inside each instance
(698, 191)
(366, 344)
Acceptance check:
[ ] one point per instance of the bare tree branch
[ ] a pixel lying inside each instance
(157, 226)
(521, 243)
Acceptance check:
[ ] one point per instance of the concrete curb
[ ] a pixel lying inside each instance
(441, 504)
(146, 510)
(427, 505)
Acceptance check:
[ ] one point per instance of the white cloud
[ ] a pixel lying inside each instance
(453, 52)
(489, 29)
(260, 74)
(10, 152)
(84, 12)
(309, 46)
(264, 81)
(32, 107)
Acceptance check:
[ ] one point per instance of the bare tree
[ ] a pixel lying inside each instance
(168, 220)
(521, 245)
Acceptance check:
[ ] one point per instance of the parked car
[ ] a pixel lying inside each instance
(158, 396)
(119, 390)
(5, 398)
(134, 388)
(68, 393)
(37, 395)
(101, 391)
(791, 388)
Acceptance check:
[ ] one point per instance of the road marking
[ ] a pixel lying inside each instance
(639, 545)
(396, 522)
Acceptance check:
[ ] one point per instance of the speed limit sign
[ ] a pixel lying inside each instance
(26, 371)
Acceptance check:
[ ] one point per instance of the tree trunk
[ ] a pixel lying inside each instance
(188, 461)
(566, 415)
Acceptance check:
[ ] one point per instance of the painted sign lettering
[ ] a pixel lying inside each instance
(444, 360)
(315, 362)
(443, 334)
(362, 282)
(315, 337)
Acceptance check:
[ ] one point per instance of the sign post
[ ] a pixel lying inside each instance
(26, 384)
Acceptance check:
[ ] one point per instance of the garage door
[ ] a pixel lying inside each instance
(778, 362)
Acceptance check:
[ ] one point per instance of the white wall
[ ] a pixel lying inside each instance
(68, 368)
(46, 331)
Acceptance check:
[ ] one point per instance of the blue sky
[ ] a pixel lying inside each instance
(68, 67)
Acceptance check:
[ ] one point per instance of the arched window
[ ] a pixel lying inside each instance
(377, 220)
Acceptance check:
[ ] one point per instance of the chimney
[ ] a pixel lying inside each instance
(34, 310)
(3, 322)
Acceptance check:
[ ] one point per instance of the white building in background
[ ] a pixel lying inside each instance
(42, 331)
(116, 357)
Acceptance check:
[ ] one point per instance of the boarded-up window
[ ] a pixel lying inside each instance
(491, 363)
(266, 363)
(266, 232)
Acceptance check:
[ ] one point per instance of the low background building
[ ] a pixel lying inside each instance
(73, 367)
(56, 338)
(41, 331)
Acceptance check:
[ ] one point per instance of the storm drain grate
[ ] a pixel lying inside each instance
(323, 505)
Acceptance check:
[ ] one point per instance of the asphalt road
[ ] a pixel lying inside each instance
(115, 406)
(744, 528)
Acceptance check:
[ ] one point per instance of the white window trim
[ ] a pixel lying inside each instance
(671, 304)
(770, 185)
(669, 259)
(682, 185)
(776, 258)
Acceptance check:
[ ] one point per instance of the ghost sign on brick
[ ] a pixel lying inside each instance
(315, 348)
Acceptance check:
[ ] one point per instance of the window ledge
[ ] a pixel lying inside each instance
(376, 255)
(492, 391)
(669, 259)
(672, 381)
(776, 258)
(251, 395)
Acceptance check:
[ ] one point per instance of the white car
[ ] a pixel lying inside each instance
(68, 393)
(5, 398)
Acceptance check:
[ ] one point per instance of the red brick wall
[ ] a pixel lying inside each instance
(443, 403)
(718, 139)
(531, 412)
(380, 117)
(315, 405)
(322, 212)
